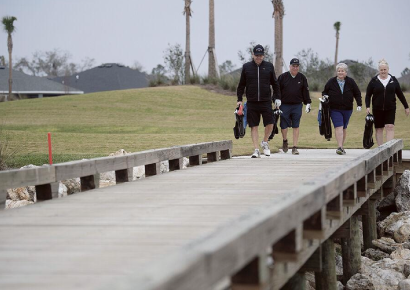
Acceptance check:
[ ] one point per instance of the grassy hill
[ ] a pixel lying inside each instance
(97, 124)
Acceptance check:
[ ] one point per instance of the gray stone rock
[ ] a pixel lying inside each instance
(404, 285)
(397, 226)
(360, 282)
(72, 185)
(340, 286)
(375, 254)
(402, 192)
(384, 274)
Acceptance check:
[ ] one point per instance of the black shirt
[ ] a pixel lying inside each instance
(294, 90)
(257, 80)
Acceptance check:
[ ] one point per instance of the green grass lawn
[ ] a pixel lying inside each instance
(98, 124)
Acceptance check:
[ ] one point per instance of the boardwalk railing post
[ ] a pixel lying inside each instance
(123, 175)
(213, 156)
(253, 276)
(225, 154)
(87, 182)
(152, 169)
(176, 164)
(195, 160)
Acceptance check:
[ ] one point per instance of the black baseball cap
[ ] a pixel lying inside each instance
(258, 50)
(294, 61)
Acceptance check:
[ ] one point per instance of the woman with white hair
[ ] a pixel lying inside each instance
(382, 91)
(341, 90)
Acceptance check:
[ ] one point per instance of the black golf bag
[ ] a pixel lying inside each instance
(239, 129)
(368, 132)
(275, 115)
(325, 126)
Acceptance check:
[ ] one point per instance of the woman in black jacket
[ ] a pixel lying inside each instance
(341, 90)
(384, 87)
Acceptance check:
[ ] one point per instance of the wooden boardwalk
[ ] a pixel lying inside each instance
(153, 233)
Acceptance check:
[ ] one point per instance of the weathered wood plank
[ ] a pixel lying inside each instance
(29, 176)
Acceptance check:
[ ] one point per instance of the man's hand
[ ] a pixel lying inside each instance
(307, 110)
(278, 103)
(359, 109)
(407, 111)
(368, 110)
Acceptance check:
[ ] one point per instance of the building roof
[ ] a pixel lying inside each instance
(26, 84)
(106, 77)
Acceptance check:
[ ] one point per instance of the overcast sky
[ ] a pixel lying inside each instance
(126, 31)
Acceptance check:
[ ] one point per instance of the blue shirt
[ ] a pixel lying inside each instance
(341, 84)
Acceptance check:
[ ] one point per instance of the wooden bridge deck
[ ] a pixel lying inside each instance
(128, 235)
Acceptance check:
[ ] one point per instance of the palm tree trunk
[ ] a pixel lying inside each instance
(10, 47)
(211, 48)
(278, 13)
(187, 41)
(337, 47)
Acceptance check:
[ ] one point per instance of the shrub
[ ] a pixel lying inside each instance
(194, 80)
(314, 87)
(404, 87)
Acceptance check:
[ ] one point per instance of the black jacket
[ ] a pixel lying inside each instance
(384, 98)
(339, 100)
(294, 90)
(257, 81)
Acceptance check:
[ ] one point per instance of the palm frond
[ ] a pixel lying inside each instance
(8, 22)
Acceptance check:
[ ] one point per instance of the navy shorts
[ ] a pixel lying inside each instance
(340, 117)
(382, 118)
(291, 114)
(255, 110)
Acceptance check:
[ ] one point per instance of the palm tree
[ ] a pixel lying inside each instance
(278, 13)
(187, 12)
(9, 28)
(337, 28)
(212, 73)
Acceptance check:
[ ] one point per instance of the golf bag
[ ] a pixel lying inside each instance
(325, 127)
(275, 115)
(368, 132)
(239, 129)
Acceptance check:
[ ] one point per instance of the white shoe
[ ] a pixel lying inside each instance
(256, 154)
(265, 147)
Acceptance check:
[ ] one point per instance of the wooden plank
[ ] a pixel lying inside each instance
(350, 196)
(195, 160)
(334, 208)
(28, 176)
(75, 169)
(212, 156)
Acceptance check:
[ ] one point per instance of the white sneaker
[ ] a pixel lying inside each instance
(256, 154)
(265, 147)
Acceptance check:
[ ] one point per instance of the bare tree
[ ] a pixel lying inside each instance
(278, 13)
(187, 12)
(337, 28)
(212, 63)
(8, 22)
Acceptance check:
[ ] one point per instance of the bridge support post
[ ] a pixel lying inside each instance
(351, 250)
(124, 175)
(326, 280)
(225, 154)
(176, 164)
(213, 156)
(47, 191)
(152, 169)
(369, 223)
(254, 276)
(87, 182)
(298, 281)
(195, 160)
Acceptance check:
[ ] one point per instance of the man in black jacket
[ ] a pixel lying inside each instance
(257, 77)
(294, 90)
